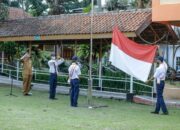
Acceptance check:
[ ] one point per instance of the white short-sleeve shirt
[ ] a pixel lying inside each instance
(74, 71)
(53, 65)
(160, 73)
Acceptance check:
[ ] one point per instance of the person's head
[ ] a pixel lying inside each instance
(160, 59)
(53, 57)
(74, 58)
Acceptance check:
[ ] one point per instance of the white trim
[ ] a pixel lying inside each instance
(165, 2)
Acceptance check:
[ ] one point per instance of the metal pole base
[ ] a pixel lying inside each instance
(11, 94)
(89, 93)
(129, 97)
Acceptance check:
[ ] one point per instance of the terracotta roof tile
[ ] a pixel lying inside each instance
(128, 21)
(16, 13)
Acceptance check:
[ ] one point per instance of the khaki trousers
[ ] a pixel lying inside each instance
(27, 83)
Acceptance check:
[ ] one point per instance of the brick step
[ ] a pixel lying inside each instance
(150, 101)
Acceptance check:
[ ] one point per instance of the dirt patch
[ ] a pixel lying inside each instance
(172, 85)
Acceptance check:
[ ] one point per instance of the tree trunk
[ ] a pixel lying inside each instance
(149, 5)
(140, 4)
(55, 2)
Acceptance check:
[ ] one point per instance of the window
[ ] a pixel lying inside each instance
(177, 63)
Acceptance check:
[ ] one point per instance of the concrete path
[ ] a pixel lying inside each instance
(63, 89)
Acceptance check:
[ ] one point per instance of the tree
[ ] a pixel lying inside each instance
(15, 4)
(35, 7)
(9, 49)
(5, 2)
(62, 6)
(70, 5)
(142, 3)
(3, 11)
(87, 9)
(116, 5)
(85, 3)
(56, 7)
(84, 51)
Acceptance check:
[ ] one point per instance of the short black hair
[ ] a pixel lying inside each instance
(160, 58)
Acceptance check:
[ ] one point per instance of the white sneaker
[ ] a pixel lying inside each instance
(29, 93)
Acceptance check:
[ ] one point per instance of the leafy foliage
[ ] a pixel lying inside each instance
(40, 58)
(56, 7)
(141, 3)
(3, 11)
(15, 4)
(5, 2)
(65, 6)
(15, 51)
(84, 51)
(35, 7)
(87, 9)
(85, 3)
(116, 5)
(9, 49)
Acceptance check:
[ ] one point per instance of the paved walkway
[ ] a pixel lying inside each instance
(63, 89)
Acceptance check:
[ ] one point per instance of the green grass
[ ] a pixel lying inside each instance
(37, 112)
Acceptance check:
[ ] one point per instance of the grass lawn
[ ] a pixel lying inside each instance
(37, 112)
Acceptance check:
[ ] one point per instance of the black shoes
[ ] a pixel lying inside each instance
(164, 113)
(154, 112)
(74, 106)
(28, 94)
(53, 98)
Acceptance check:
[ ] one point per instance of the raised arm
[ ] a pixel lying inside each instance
(60, 61)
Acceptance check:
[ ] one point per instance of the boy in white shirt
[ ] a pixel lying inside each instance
(74, 72)
(160, 75)
(53, 70)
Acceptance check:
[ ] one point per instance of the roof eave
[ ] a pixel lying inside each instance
(144, 25)
(63, 37)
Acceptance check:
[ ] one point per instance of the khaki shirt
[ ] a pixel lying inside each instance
(27, 66)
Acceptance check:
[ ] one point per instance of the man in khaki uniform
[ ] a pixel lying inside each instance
(27, 73)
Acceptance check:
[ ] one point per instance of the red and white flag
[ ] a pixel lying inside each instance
(132, 58)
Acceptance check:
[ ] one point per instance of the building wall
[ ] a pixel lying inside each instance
(167, 53)
(164, 11)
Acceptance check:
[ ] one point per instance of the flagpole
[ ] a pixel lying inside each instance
(90, 82)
